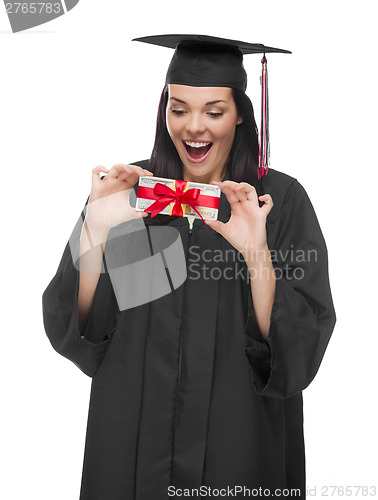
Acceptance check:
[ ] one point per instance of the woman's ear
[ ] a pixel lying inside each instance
(240, 120)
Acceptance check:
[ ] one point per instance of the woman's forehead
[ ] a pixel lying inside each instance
(199, 94)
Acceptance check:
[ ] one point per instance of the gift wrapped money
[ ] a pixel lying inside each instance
(159, 195)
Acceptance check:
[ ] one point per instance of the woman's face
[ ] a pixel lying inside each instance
(201, 122)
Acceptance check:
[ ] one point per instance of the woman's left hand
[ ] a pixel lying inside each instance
(246, 229)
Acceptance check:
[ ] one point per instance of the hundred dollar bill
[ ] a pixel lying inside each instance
(205, 190)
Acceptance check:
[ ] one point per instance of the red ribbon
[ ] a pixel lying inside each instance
(165, 195)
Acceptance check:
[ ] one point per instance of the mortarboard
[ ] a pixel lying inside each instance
(208, 61)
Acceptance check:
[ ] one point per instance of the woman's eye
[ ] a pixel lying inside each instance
(215, 115)
(177, 111)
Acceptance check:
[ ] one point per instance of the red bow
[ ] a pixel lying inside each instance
(167, 195)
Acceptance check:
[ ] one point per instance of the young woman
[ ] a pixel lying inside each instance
(200, 390)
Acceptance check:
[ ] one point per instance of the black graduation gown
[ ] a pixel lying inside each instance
(185, 391)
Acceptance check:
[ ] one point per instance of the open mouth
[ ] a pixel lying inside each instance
(197, 152)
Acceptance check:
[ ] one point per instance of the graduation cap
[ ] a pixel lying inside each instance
(209, 61)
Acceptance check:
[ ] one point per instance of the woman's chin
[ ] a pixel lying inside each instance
(192, 167)
(197, 173)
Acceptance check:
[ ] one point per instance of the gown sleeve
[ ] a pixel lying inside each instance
(303, 316)
(60, 311)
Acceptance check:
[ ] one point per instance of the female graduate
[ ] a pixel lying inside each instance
(198, 389)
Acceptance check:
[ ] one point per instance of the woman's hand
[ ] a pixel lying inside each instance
(109, 201)
(246, 229)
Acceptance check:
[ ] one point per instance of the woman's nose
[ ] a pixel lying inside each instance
(195, 125)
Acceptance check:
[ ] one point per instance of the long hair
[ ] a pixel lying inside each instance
(242, 161)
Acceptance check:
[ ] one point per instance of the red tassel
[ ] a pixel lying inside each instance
(264, 150)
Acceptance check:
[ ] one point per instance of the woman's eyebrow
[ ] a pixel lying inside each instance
(178, 100)
(210, 103)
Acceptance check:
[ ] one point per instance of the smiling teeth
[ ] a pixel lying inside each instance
(197, 144)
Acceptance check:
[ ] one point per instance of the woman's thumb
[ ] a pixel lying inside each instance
(216, 225)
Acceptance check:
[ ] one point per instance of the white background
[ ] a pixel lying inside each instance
(75, 93)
